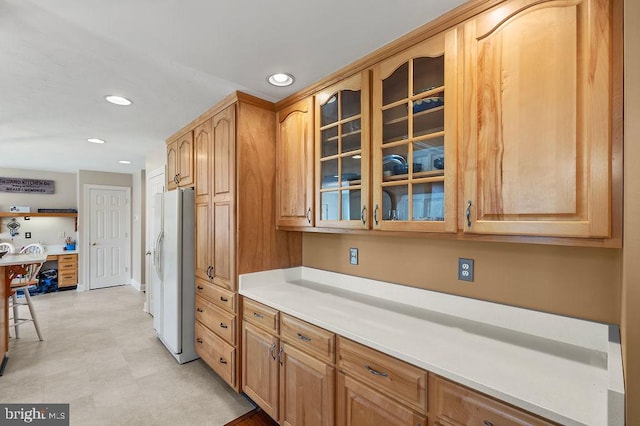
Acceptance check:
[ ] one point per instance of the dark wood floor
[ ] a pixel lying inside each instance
(255, 417)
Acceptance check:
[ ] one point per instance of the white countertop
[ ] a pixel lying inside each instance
(21, 259)
(563, 369)
(52, 250)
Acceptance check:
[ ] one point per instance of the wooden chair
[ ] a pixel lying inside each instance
(20, 278)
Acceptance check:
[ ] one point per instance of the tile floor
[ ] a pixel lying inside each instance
(100, 354)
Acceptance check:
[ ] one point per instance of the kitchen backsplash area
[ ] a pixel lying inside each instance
(48, 231)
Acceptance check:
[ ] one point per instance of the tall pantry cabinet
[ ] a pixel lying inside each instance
(235, 221)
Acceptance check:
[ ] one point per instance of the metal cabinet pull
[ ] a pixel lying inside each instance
(309, 215)
(177, 177)
(468, 214)
(272, 351)
(257, 315)
(199, 340)
(375, 214)
(223, 325)
(280, 355)
(305, 338)
(199, 310)
(200, 287)
(375, 372)
(487, 423)
(223, 299)
(223, 361)
(209, 272)
(362, 215)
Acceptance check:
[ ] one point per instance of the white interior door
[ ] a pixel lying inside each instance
(155, 185)
(109, 240)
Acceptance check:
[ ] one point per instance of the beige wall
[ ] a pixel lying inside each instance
(65, 196)
(631, 256)
(44, 230)
(137, 229)
(579, 282)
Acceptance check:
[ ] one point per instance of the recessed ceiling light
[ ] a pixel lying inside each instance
(118, 100)
(124, 162)
(280, 79)
(95, 140)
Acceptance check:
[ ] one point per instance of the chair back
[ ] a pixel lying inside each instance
(28, 274)
(8, 247)
(32, 249)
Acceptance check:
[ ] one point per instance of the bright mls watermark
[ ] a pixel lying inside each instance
(34, 414)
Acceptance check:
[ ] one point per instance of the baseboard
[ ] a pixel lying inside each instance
(135, 284)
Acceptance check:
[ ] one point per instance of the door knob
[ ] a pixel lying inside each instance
(148, 253)
(93, 244)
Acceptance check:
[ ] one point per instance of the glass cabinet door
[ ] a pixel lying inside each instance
(414, 138)
(342, 154)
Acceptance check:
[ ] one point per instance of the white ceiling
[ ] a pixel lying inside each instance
(174, 59)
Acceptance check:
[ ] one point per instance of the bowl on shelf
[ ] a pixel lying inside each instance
(427, 103)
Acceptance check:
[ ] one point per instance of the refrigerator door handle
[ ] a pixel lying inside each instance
(158, 254)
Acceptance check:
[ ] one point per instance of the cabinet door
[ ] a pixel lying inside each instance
(360, 405)
(260, 368)
(223, 192)
(306, 390)
(202, 149)
(185, 160)
(536, 145)
(203, 145)
(294, 165)
(342, 154)
(414, 138)
(172, 165)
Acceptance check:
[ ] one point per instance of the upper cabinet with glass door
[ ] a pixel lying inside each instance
(414, 138)
(342, 154)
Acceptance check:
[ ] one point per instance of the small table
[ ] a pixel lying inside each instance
(6, 261)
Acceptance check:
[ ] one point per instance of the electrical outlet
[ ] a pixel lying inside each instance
(27, 234)
(353, 256)
(465, 269)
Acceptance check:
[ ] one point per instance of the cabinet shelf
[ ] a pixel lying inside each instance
(417, 114)
(344, 135)
(16, 214)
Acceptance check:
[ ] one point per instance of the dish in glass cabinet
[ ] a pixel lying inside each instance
(427, 103)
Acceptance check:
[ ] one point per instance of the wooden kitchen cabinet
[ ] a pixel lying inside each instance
(343, 154)
(307, 396)
(414, 137)
(294, 164)
(288, 367)
(234, 212)
(361, 405)
(180, 161)
(456, 405)
(260, 355)
(536, 120)
(67, 270)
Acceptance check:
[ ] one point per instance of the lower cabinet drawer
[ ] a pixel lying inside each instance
(406, 383)
(67, 279)
(217, 353)
(308, 337)
(261, 315)
(67, 266)
(219, 296)
(457, 405)
(219, 321)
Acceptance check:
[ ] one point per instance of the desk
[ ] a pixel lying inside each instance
(5, 262)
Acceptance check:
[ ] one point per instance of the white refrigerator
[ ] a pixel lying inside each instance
(173, 259)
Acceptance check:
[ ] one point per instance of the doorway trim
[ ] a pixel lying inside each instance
(85, 223)
(160, 171)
